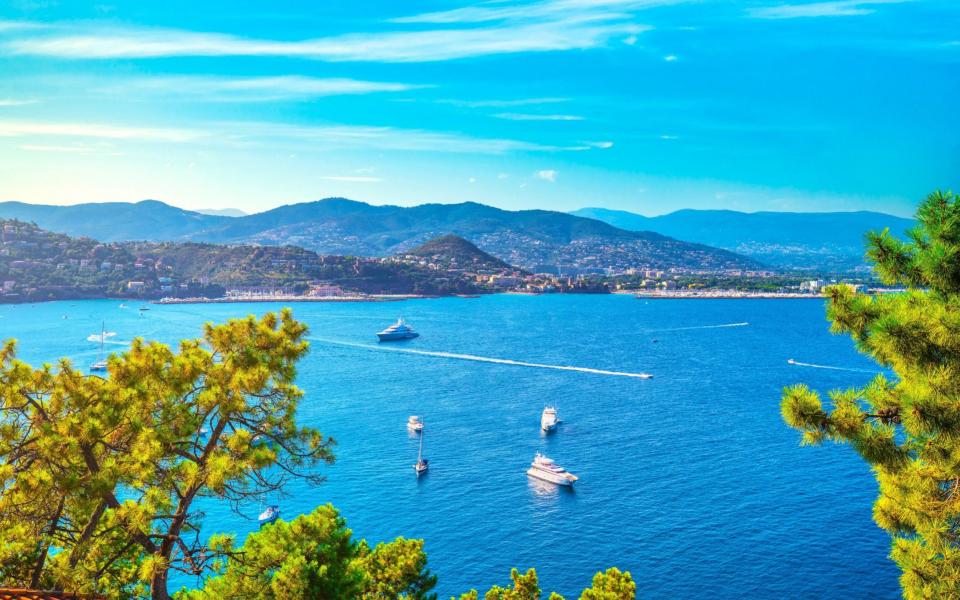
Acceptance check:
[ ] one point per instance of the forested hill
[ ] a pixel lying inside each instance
(529, 238)
(826, 240)
(36, 264)
(452, 251)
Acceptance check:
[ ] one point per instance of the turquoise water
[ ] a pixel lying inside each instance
(690, 479)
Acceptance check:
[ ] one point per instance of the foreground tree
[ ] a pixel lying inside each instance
(908, 430)
(99, 477)
(613, 584)
(314, 558)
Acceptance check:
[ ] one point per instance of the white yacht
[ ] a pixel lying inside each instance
(271, 514)
(544, 468)
(414, 423)
(549, 419)
(398, 331)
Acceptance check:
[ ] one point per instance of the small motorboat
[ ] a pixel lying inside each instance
(549, 419)
(414, 423)
(269, 515)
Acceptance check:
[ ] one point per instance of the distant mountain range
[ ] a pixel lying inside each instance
(531, 239)
(826, 240)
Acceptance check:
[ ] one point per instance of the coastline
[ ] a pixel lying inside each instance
(723, 295)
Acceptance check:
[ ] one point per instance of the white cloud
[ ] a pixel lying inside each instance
(93, 130)
(670, 58)
(547, 175)
(384, 138)
(257, 89)
(472, 180)
(502, 176)
(630, 40)
(669, 137)
(14, 102)
(41, 148)
(838, 8)
(503, 103)
(502, 11)
(535, 117)
(602, 145)
(576, 32)
(351, 178)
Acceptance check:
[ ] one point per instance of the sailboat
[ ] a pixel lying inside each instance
(101, 364)
(422, 463)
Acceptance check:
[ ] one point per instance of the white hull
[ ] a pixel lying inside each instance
(550, 477)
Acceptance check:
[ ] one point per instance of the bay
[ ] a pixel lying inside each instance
(690, 479)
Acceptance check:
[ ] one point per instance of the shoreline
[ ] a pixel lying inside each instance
(255, 299)
(725, 295)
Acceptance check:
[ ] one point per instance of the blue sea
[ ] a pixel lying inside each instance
(690, 480)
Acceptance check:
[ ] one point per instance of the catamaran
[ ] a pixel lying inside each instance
(101, 364)
(544, 468)
(397, 331)
(549, 419)
(422, 463)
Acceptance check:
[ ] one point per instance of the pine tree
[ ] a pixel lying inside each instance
(907, 428)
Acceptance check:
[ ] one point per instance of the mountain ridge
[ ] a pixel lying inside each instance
(527, 239)
(829, 240)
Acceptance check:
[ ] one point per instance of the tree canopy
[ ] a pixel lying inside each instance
(99, 479)
(907, 428)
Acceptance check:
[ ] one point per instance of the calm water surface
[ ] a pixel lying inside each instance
(690, 480)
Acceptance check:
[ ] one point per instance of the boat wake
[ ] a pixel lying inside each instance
(95, 337)
(797, 363)
(721, 326)
(484, 359)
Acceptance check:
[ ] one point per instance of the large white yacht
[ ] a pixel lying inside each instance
(398, 331)
(549, 419)
(544, 468)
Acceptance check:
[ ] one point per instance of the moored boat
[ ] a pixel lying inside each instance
(271, 514)
(549, 419)
(398, 331)
(546, 469)
(422, 464)
(414, 423)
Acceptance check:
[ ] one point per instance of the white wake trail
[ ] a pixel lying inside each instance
(723, 325)
(95, 337)
(797, 363)
(485, 359)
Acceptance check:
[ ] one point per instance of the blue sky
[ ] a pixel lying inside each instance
(642, 105)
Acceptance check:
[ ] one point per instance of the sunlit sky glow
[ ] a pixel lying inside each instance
(643, 105)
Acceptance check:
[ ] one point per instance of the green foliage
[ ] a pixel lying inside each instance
(314, 558)
(613, 584)
(99, 476)
(908, 430)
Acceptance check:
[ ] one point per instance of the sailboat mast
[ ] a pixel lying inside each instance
(420, 452)
(103, 333)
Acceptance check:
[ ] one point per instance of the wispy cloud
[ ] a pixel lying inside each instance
(502, 103)
(576, 32)
(838, 8)
(602, 145)
(42, 148)
(92, 130)
(256, 89)
(547, 175)
(351, 179)
(330, 137)
(7, 25)
(501, 11)
(15, 102)
(536, 117)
